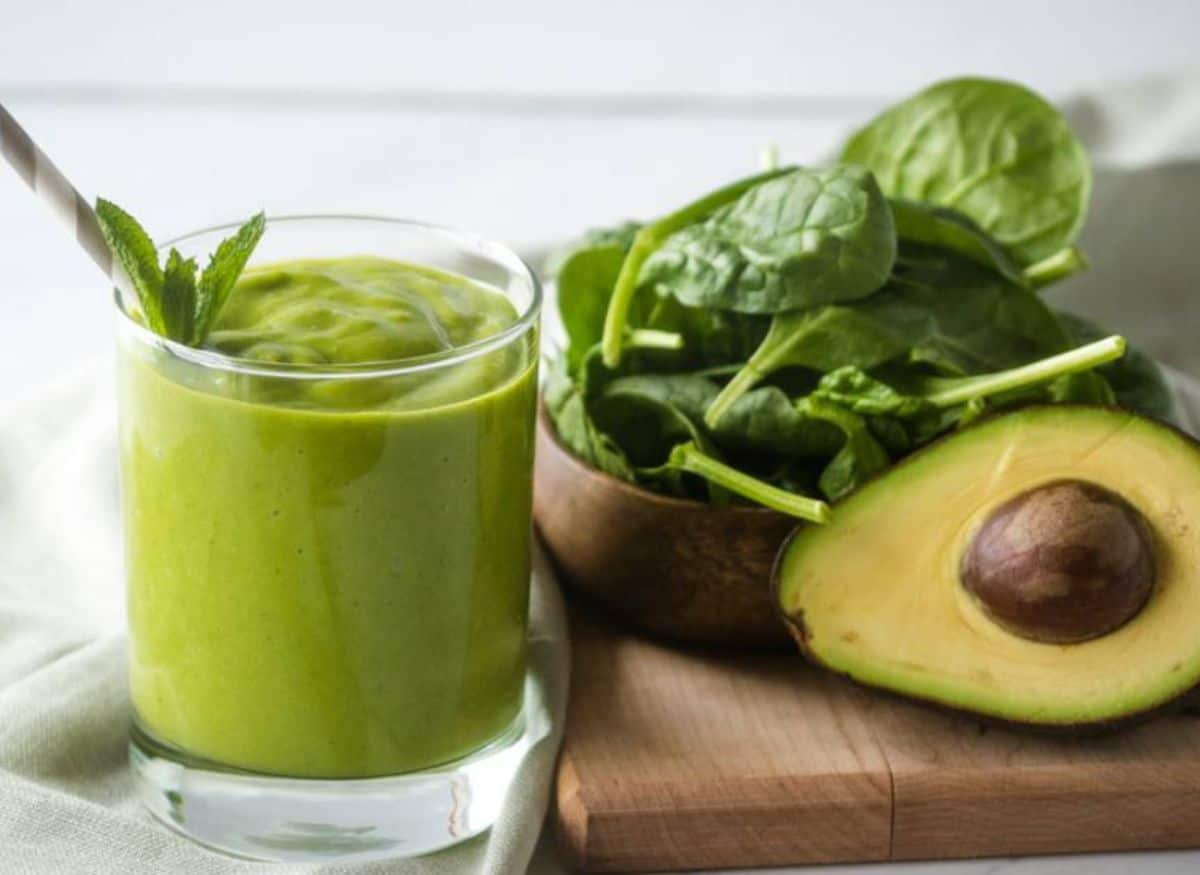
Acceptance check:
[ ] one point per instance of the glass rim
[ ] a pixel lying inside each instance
(211, 359)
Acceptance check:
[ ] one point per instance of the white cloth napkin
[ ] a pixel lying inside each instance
(66, 797)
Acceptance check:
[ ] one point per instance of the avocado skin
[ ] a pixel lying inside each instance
(1186, 701)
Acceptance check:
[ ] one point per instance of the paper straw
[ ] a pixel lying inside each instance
(49, 183)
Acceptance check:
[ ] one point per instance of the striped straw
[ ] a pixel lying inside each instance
(49, 183)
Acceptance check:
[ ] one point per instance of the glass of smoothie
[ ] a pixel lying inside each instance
(327, 525)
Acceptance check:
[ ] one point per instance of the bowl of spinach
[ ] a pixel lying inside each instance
(738, 365)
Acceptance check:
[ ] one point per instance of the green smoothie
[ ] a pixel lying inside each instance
(329, 577)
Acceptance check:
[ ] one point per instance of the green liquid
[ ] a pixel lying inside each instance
(330, 578)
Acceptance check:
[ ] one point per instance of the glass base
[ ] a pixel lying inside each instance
(263, 817)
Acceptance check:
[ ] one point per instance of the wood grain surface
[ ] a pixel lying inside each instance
(679, 758)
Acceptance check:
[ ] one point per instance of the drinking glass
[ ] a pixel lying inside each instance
(328, 570)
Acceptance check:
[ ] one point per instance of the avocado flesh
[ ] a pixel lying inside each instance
(876, 594)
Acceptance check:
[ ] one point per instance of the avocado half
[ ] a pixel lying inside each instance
(1041, 567)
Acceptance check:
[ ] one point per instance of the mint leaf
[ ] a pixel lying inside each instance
(179, 297)
(135, 250)
(173, 303)
(223, 270)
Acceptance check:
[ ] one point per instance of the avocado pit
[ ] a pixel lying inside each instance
(1063, 562)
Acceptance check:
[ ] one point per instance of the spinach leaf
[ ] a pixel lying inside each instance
(591, 375)
(763, 421)
(808, 237)
(652, 417)
(860, 457)
(1055, 268)
(875, 324)
(684, 394)
(620, 236)
(651, 237)
(584, 285)
(992, 150)
(647, 429)
(1136, 379)
(938, 308)
(974, 321)
(768, 421)
(861, 393)
(906, 393)
(901, 418)
(795, 475)
(648, 414)
(690, 458)
(583, 289)
(945, 228)
(822, 339)
(1085, 387)
(891, 434)
(575, 428)
(947, 392)
(908, 407)
(711, 338)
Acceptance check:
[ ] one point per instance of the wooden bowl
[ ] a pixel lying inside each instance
(669, 567)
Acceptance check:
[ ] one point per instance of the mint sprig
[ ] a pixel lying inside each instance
(178, 297)
(132, 246)
(174, 304)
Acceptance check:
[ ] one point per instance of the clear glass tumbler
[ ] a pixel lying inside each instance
(328, 571)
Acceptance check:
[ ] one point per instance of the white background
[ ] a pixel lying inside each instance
(524, 120)
(799, 48)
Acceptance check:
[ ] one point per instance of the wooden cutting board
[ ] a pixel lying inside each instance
(679, 758)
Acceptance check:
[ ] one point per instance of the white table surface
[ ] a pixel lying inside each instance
(527, 123)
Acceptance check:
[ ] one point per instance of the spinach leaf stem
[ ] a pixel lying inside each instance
(649, 239)
(950, 392)
(689, 457)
